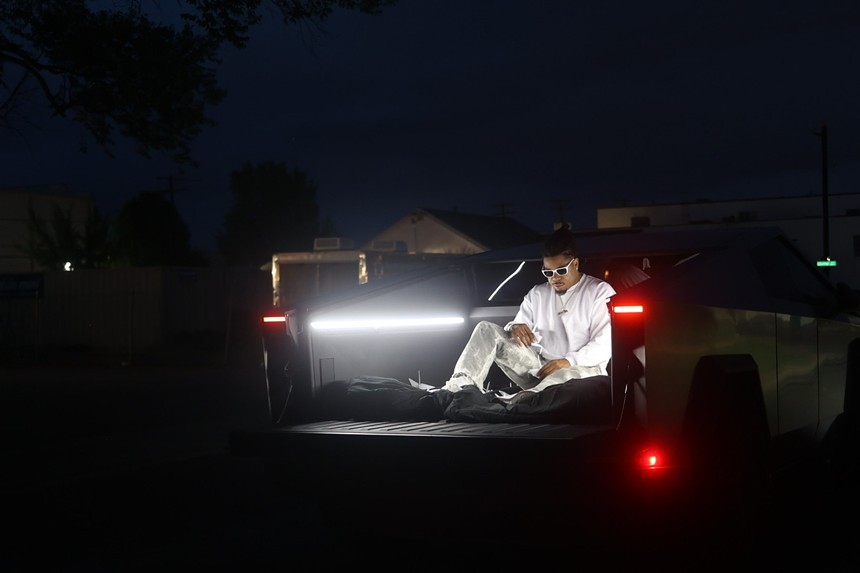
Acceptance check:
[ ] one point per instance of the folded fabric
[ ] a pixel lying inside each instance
(375, 398)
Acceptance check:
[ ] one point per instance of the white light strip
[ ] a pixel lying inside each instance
(385, 323)
(512, 275)
(506, 312)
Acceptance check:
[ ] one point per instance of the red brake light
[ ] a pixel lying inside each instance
(628, 309)
(274, 318)
(652, 459)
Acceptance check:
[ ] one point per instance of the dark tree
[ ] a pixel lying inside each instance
(274, 210)
(112, 68)
(59, 241)
(149, 231)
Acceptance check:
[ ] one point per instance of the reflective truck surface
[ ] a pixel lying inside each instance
(733, 355)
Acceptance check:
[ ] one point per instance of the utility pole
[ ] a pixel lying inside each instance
(561, 204)
(171, 189)
(503, 209)
(825, 199)
(825, 209)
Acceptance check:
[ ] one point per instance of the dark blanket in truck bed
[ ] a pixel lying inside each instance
(373, 398)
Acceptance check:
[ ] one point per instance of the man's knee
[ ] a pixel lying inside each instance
(489, 332)
(485, 326)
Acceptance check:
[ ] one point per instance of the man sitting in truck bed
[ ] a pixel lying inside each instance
(561, 332)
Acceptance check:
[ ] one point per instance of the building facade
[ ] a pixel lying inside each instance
(15, 207)
(801, 218)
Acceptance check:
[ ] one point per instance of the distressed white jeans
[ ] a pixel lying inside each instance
(489, 344)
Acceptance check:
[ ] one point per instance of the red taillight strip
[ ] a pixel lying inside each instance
(274, 319)
(628, 309)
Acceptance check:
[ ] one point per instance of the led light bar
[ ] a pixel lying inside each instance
(280, 318)
(379, 323)
(512, 275)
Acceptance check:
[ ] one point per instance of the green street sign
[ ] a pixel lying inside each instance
(826, 263)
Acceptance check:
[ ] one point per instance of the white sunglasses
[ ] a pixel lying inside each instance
(560, 271)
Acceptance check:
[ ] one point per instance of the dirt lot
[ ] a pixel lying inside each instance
(126, 468)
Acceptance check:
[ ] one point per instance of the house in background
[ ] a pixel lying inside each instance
(800, 218)
(15, 206)
(420, 238)
(452, 232)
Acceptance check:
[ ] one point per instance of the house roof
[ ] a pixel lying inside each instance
(493, 232)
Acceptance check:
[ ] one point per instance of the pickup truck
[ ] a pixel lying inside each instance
(735, 360)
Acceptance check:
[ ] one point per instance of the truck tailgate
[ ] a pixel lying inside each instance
(418, 476)
(387, 454)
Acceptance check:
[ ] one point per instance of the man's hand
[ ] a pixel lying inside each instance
(522, 334)
(552, 366)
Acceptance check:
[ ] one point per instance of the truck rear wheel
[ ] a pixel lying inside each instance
(725, 443)
(840, 451)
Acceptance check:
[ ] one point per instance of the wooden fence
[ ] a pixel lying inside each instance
(209, 312)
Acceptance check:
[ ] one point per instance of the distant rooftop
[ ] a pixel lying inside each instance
(494, 232)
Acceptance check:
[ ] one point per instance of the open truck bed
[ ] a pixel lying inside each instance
(444, 429)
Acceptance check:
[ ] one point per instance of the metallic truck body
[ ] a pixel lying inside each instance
(733, 356)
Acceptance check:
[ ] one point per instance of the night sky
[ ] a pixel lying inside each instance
(514, 107)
